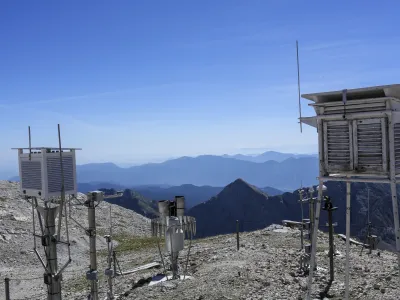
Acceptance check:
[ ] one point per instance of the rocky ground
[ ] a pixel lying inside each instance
(20, 264)
(265, 267)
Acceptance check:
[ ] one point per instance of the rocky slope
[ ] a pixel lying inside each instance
(18, 260)
(265, 267)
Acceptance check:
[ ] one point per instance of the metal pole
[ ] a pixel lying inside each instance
(114, 262)
(302, 223)
(393, 188)
(298, 83)
(348, 209)
(311, 205)
(62, 185)
(331, 250)
(318, 209)
(7, 288)
(108, 272)
(52, 280)
(237, 234)
(92, 240)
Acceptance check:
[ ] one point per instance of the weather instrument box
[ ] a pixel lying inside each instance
(41, 174)
(358, 130)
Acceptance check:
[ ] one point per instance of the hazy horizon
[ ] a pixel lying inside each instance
(10, 170)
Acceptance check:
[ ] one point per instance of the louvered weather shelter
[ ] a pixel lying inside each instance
(358, 141)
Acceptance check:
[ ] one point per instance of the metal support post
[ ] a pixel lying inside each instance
(393, 188)
(313, 264)
(49, 240)
(329, 208)
(318, 208)
(237, 234)
(92, 274)
(174, 264)
(302, 223)
(311, 211)
(7, 288)
(109, 271)
(348, 210)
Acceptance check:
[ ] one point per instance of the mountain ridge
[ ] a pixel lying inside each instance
(208, 170)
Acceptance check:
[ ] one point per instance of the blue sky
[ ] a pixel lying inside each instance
(137, 81)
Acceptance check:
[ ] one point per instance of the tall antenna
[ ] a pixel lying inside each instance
(30, 145)
(368, 204)
(298, 83)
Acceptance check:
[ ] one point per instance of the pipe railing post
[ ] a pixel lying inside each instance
(237, 234)
(7, 288)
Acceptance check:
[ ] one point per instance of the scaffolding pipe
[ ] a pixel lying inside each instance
(92, 276)
(317, 211)
(393, 187)
(348, 210)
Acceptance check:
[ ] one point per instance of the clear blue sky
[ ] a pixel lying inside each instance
(135, 81)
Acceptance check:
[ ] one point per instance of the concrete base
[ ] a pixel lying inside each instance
(162, 278)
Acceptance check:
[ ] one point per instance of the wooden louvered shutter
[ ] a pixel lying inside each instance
(370, 145)
(338, 146)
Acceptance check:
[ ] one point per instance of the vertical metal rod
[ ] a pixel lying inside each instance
(115, 262)
(321, 174)
(302, 217)
(54, 288)
(237, 234)
(187, 259)
(298, 83)
(162, 257)
(331, 250)
(312, 206)
(33, 224)
(67, 233)
(368, 204)
(314, 238)
(110, 294)
(30, 145)
(348, 210)
(62, 184)
(92, 241)
(393, 185)
(7, 288)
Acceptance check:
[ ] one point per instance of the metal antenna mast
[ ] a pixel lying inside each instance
(298, 83)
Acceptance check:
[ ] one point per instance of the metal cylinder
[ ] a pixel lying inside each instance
(174, 237)
(163, 208)
(180, 206)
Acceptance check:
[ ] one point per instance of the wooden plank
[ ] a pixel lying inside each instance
(352, 241)
(140, 268)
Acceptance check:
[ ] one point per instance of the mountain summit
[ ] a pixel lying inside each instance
(241, 201)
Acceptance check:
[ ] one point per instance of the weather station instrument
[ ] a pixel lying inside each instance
(358, 141)
(48, 175)
(174, 226)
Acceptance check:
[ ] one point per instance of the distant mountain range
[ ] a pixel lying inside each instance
(267, 156)
(206, 170)
(284, 171)
(194, 194)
